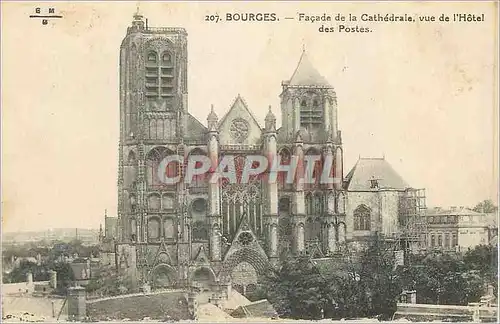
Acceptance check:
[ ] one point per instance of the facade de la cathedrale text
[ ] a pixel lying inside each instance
(223, 236)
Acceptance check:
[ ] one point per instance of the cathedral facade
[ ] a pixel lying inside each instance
(227, 234)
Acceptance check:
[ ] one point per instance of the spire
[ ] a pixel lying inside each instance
(212, 115)
(306, 74)
(138, 15)
(270, 116)
(212, 119)
(138, 21)
(270, 120)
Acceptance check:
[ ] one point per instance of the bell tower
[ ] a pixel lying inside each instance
(309, 121)
(153, 113)
(309, 104)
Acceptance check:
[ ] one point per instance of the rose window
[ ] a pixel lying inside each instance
(245, 238)
(239, 130)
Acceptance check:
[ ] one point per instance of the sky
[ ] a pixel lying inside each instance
(423, 95)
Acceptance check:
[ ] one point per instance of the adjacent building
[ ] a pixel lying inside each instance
(459, 228)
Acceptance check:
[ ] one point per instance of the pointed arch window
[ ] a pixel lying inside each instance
(166, 57)
(200, 231)
(313, 229)
(152, 58)
(362, 218)
(131, 160)
(154, 228)
(313, 181)
(282, 177)
(241, 200)
(133, 230)
(315, 204)
(154, 177)
(160, 76)
(168, 228)
(199, 180)
(311, 113)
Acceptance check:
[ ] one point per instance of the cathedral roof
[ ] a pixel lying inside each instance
(368, 169)
(306, 74)
(239, 102)
(194, 129)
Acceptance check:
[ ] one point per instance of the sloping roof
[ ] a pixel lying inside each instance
(435, 211)
(306, 74)
(260, 309)
(366, 169)
(237, 103)
(194, 128)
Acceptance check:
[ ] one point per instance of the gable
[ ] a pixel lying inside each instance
(368, 169)
(239, 126)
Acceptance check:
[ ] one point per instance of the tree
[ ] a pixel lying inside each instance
(486, 206)
(449, 279)
(379, 278)
(109, 282)
(483, 259)
(297, 290)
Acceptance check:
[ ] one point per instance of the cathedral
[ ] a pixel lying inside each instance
(206, 235)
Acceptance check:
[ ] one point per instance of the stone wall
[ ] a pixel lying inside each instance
(384, 208)
(135, 307)
(428, 312)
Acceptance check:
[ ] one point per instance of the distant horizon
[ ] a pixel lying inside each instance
(412, 93)
(54, 229)
(97, 229)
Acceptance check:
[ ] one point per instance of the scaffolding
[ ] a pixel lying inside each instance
(413, 224)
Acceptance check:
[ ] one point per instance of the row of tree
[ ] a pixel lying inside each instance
(372, 286)
(50, 260)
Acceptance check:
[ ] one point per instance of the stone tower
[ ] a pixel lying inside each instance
(310, 128)
(222, 234)
(153, 106)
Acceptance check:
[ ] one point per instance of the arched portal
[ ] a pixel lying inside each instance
(163, 276)
(257, 259)
(203, 278)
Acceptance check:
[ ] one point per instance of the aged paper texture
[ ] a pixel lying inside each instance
(233, 161)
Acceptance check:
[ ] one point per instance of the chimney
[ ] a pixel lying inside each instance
(453, 208)
(29, 278)
(53, 279)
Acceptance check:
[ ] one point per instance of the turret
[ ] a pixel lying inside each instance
(270, 121)
(212, 120)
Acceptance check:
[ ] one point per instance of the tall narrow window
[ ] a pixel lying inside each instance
(311, 113)
(362, 218)
(197, 181)
(160, 76)
(312, 181)
(282, 177)
(167, 58)
(154, 176)
(447, 240)
(154, 228)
